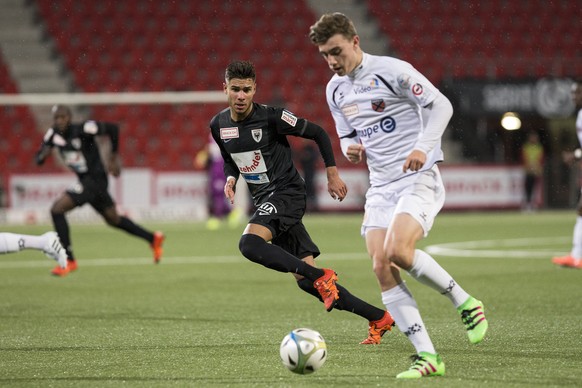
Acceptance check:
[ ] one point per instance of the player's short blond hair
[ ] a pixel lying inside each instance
(329, 25)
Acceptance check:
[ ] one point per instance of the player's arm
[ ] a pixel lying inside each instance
(113, 161)
(45, 148)
(335, 185)
(436, 116)
(230, 169)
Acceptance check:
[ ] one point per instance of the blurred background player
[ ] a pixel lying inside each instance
(532, 156)
(48, 243)
(219, 208)
(253, 142)
(384, 108)
(77, 146)
(574, 259)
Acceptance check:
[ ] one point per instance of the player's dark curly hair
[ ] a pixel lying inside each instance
(240, 70)
(329, 25)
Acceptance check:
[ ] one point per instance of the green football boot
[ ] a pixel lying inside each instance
(424, 364)
(473, 316)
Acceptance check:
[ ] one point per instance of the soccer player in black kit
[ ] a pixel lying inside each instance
(253, 142)
(79, 150)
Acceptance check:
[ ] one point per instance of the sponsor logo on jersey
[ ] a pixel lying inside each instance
(229, 133)
(250, 162)
(350, 110)
(404, 81)
(417, 89)
(362, 89)
(90, 127)
(378, 105)
(386, 125)
(374, 83)
(257, 134)
(266, 209)
(289, 118)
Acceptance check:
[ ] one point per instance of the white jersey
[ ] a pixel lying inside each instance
(379, 104)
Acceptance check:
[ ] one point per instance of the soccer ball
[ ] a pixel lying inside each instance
(303, 351)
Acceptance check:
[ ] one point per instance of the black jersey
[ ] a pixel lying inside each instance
(258, 150)
(78, 148)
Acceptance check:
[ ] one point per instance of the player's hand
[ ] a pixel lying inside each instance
(415, 160)
(355, 153)
(335, 185)
(229, 189)
(114, 165)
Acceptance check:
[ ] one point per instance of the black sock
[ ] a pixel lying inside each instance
(130, 227)
(272, 256)
(346, 301)
(62, 228)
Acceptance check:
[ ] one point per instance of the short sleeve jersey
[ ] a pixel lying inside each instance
(257, 148)
(78, 148)
(379, 105)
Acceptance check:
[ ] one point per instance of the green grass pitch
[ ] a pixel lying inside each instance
(206, 316)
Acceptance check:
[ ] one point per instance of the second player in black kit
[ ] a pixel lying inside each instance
(77, 145)
(253, 142)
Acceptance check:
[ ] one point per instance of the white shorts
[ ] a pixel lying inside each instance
(421, 195)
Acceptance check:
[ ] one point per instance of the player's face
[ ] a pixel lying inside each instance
(341, 54)
(61, 119)
(240, 94)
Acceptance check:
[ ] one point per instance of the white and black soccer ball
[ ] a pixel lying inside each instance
(303, 351)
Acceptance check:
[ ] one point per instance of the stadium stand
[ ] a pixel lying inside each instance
(21, 138)
(138, 45)
(176, 46)
(487, 39)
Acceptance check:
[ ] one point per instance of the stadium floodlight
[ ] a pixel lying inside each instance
(510, 121)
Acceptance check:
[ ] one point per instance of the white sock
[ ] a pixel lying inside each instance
(577, 239)
(11, 242)
(402, 306)
(426, 270)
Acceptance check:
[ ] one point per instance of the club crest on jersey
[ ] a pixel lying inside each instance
(76, 143)
(267, 208)
(378, 105)
(229, 133)
(289, 118)
(257, 134)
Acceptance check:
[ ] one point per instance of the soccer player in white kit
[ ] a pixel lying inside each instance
(384, 108)
(48, 243)
(574, 259)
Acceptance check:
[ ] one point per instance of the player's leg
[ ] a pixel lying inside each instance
(105, 206)
(379, 321)
(254, 246)
(574, 259)
(414, 216)
(298, 242)
(48, 243)
(65, 203)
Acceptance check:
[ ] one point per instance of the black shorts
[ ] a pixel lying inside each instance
(93, 192)
(282, 214)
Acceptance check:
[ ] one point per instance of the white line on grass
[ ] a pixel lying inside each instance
(529, 249)
(119, 261)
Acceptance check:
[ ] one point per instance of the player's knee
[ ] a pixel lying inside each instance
(250, 246)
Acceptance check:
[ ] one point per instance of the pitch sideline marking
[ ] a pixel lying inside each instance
(466, 249)
(474, 248)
